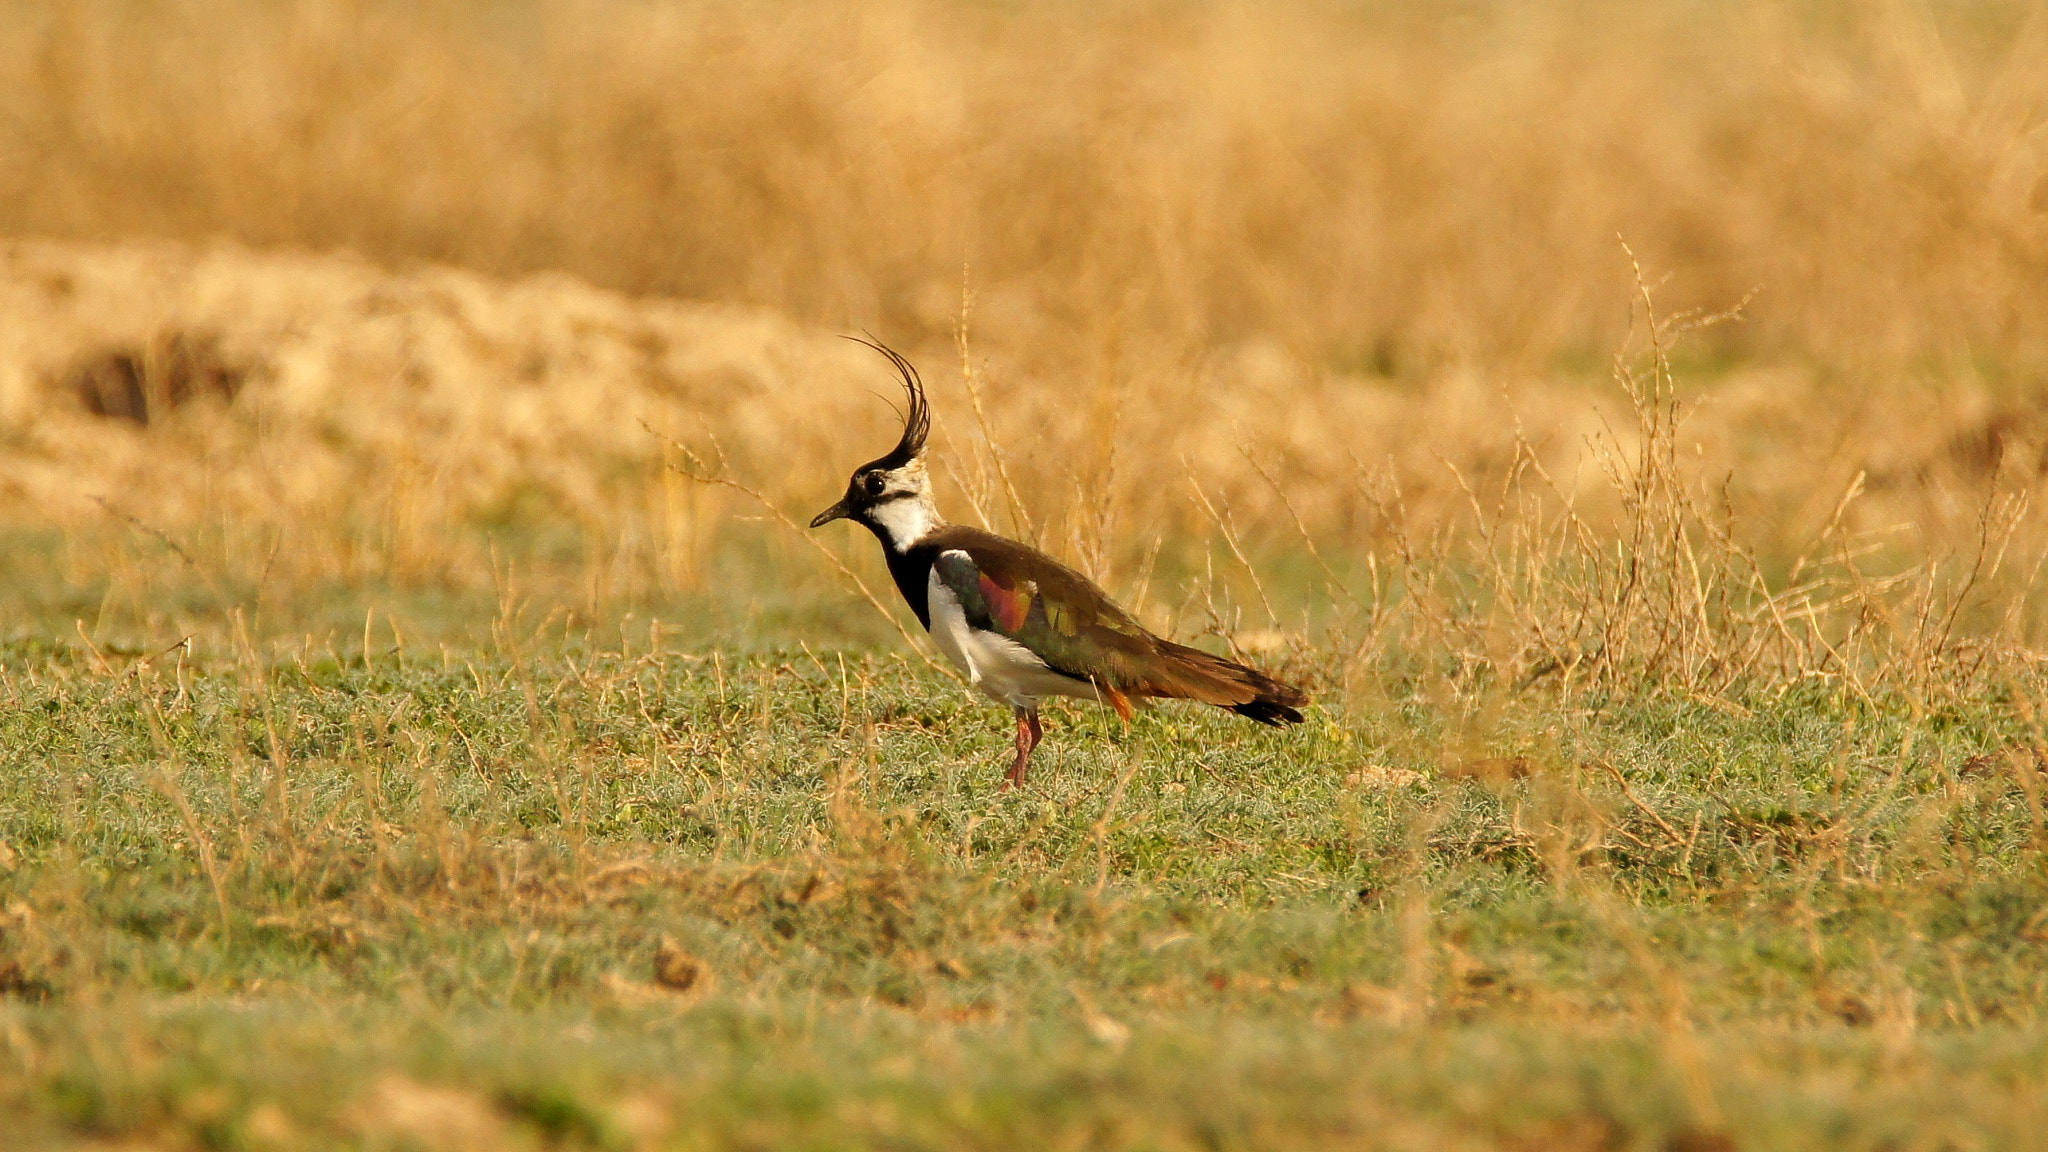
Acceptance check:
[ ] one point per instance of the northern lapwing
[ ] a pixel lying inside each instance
(1020, 624)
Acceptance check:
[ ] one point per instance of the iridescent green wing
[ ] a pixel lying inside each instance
(1055, 612)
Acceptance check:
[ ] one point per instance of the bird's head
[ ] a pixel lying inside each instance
(891, 495)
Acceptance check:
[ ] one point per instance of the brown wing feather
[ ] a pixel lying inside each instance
(1193, 674)
(1075, 627)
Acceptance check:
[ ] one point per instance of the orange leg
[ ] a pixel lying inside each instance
(1028, 736)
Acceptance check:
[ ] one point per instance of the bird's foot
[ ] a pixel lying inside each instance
(1028, 736)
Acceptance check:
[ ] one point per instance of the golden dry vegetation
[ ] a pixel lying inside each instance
(1357, 247)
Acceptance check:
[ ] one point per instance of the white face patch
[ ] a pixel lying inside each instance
(904, 520)
(906, 512)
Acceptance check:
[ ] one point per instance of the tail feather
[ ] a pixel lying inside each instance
(1192, 674)
(1270, 712)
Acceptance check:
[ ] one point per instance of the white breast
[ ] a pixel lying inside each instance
(997, 665)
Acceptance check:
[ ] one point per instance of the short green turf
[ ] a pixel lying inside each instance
(552, 891)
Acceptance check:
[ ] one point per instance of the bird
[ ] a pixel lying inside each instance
(1019, 624)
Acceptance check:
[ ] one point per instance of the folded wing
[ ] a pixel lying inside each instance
(1078, 631)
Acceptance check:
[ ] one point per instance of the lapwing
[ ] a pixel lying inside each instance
(1020, 624)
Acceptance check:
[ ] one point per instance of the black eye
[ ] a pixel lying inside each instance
(872, 483)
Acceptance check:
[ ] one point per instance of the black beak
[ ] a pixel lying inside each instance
(838, 511)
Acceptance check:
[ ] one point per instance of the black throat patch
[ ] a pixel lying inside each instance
(912, 571)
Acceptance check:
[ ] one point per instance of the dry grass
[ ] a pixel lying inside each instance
(1374, 248)
(219, 434)
(1364, 184)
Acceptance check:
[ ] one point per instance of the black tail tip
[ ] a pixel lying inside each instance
(1270, 712)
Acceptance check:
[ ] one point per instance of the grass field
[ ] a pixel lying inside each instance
(424, 725)
(576, 891)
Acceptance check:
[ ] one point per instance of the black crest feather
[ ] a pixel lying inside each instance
(917, 422)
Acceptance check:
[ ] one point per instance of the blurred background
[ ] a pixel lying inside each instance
(313, 309)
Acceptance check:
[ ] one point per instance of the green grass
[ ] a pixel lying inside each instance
(301, 898)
